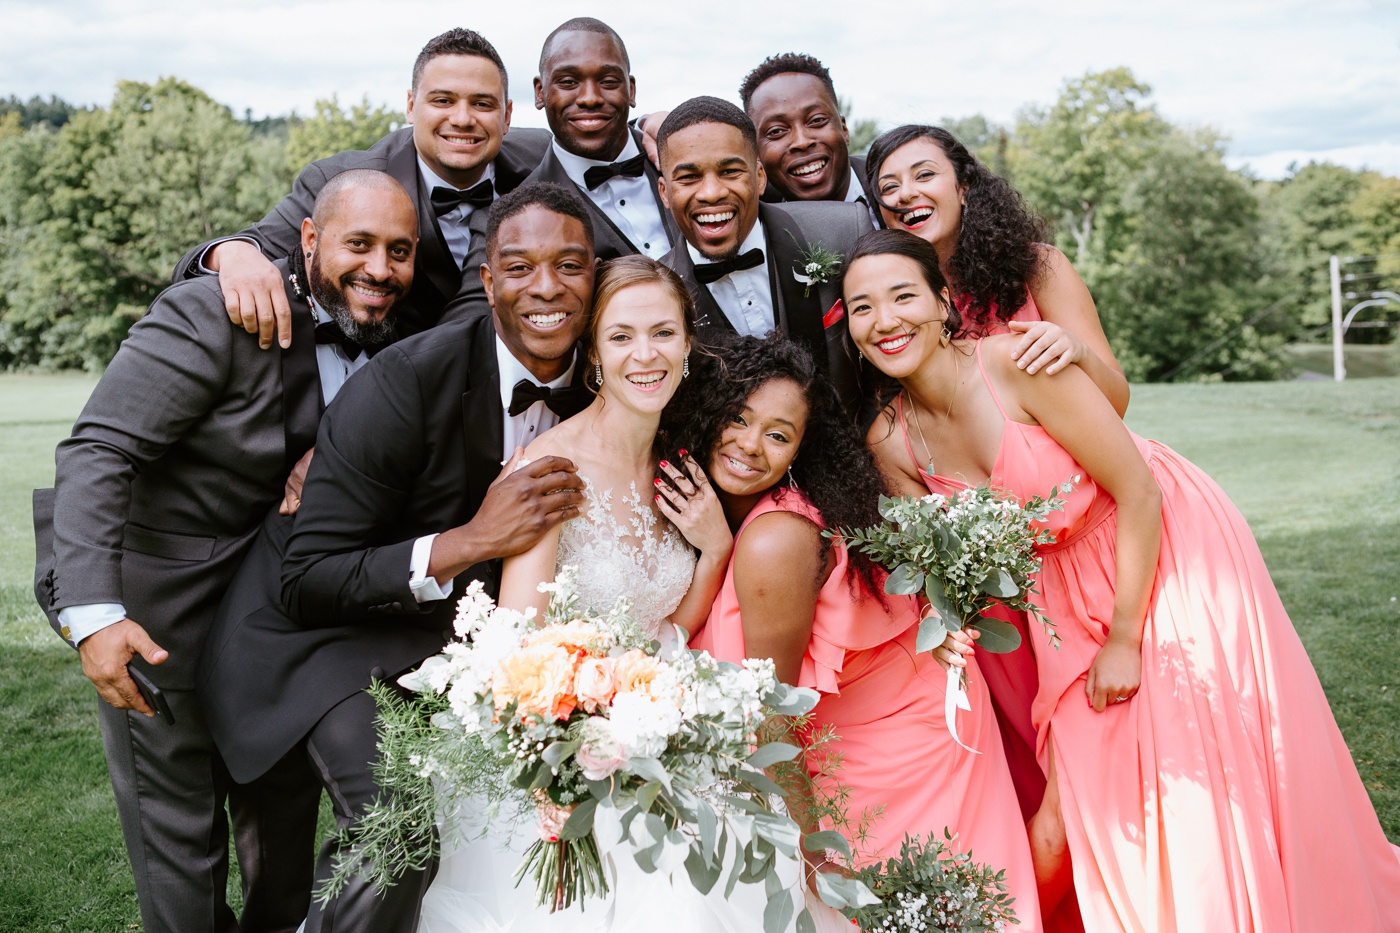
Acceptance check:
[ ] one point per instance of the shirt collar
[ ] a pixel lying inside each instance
(512, 371)
(431, 179)
(855, 191)
(755, 240)
(576, 165)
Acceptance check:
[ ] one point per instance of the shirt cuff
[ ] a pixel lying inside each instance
(82, 621)
(425, 589)
(204, 269)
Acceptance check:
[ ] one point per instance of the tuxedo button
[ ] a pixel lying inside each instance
(376, 673)
(396, 606)
(621, 202)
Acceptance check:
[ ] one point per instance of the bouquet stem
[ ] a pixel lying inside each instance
(564, 871)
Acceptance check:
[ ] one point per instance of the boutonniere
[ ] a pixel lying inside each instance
(819, 266)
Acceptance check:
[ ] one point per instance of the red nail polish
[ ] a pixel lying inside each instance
(658, 498)
(684, 451)
(664, 464)
(657, 481)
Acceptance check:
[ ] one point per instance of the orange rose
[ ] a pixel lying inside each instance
(540, 679)
(576, 637)
(634, 671)
(595, 683)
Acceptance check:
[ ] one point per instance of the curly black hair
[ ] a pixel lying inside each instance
(997, 251)
(834, 469)
(787, 63)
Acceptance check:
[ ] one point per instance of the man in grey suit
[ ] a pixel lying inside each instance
(182, 448)
(456, 158)
(803, 140)
(745, 261)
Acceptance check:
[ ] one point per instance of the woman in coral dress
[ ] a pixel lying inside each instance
(786, 465)
(1197, 779)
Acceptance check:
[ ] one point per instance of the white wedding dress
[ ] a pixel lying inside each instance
(618, 547)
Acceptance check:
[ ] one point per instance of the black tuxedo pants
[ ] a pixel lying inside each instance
(342, 749)
(171, 788)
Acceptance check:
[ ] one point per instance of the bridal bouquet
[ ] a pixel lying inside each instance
(930, 888)
(576, 715)
(965, 554)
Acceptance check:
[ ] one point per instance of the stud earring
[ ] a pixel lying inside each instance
(598, 374)
(946, 337)
(685, 366)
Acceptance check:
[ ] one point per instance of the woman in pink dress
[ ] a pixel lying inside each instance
(787, 464)
(1196, 775)
(1005, 277)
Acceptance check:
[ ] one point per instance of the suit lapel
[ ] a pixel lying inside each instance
(710, 319)
(798, 315)
(610, 242)
(434, 260)
(673, 233)
(301, 378)
(482, 417)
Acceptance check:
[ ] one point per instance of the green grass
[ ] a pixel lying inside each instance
(1362, 360)
(1314, 466)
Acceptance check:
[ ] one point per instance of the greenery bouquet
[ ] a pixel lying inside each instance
(929, 888)
(575, 715)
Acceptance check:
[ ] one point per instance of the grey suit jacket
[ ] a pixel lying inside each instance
(436, 277)
(608, 241)
(181, 449)
(805, 315)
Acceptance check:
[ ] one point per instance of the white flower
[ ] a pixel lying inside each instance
(643, 723)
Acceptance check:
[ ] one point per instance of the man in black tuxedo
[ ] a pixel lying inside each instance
(405, 501)
(587, 91)
(803, 141)
(454, 160)
(741, 258)
(182, 448)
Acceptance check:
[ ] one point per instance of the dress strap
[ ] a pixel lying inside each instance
(904, 428)
(990, 388)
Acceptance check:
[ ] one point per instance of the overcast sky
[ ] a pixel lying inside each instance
(1286, 80)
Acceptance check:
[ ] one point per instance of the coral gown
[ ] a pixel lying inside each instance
(885, 703)
(1222, 796)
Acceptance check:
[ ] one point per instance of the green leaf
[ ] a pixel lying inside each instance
(936, 592)
(647, 794)
(998, 635)
(705, 817)
(771, 754)
(580, 822)
(778, 913)
(1000, 584)
(704, 870)
(805, 923)
(759, 782)
(829, 891)
(651, 770)
(826, 839)
(905, 580)
(557, 752)
(932, 631)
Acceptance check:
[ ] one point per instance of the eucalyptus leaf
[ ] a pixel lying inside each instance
(778, 913)
(1000, 584)
(760, 782)
(771, 754)
(704, 871)
(932, 631)
(831, 893)
(904, 580)
(650, 769)
(558, 752)
(805, 924)
(826, 839)
(998, 635)
(705, 818)
(580, 822)
(647, 794)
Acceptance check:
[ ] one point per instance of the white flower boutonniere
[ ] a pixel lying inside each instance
(819, 266)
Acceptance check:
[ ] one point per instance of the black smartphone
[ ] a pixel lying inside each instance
(151, 694)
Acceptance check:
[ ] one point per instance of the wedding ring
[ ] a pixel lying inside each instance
(1120, 699)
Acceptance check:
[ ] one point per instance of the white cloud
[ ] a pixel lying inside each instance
(1279, 77)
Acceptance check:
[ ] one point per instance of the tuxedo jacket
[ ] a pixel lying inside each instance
(608, 241)
(181, 449)
(322, 606)
(436, 276)
(771, 194)
(805, 315)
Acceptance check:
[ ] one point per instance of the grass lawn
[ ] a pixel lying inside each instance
(1314, 466)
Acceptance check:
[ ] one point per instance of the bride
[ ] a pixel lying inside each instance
(667, 558)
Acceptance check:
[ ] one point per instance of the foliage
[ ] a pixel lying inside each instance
(36, 111)
(932, 888)
(332, 129)
(863, 132)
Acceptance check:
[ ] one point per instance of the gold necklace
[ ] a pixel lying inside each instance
(928, 452)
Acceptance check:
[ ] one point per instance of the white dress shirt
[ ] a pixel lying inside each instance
(746, 296)
(455, 232)
(334, 368)
(519, 431)
(628, 202)
(855, 194)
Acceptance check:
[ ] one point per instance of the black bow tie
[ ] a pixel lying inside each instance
(562, 401)
(330, 332)
(598, 174)
(707, 272)
(480, 194)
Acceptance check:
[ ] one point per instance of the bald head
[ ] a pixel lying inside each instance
(332, 198)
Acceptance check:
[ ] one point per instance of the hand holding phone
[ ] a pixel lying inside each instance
(151, 694)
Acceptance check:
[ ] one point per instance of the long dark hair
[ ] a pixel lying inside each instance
(834, 469)
(997, 251)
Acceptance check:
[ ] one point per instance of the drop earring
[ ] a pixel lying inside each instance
(946, 337)
(792, 483)
(685, 366)
(598, 374)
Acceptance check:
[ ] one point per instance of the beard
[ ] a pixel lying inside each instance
(331, 297)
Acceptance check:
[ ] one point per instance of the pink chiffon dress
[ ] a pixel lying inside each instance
(884, 702)
(1221, 796)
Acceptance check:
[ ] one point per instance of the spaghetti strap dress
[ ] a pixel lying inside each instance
(1221, 796)
(884, 702)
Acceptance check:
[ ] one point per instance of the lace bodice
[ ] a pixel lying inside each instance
(635, 556)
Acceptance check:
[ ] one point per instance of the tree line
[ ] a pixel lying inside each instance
(1199, 271)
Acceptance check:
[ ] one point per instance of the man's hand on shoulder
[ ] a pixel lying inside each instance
(520, 507)
(253, 292)
(105, 655)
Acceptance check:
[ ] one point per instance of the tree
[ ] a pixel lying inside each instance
(863, 132)
(334, 130)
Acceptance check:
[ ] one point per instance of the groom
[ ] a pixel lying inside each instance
(405, 501)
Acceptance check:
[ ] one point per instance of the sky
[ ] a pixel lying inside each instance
(1287, 81)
